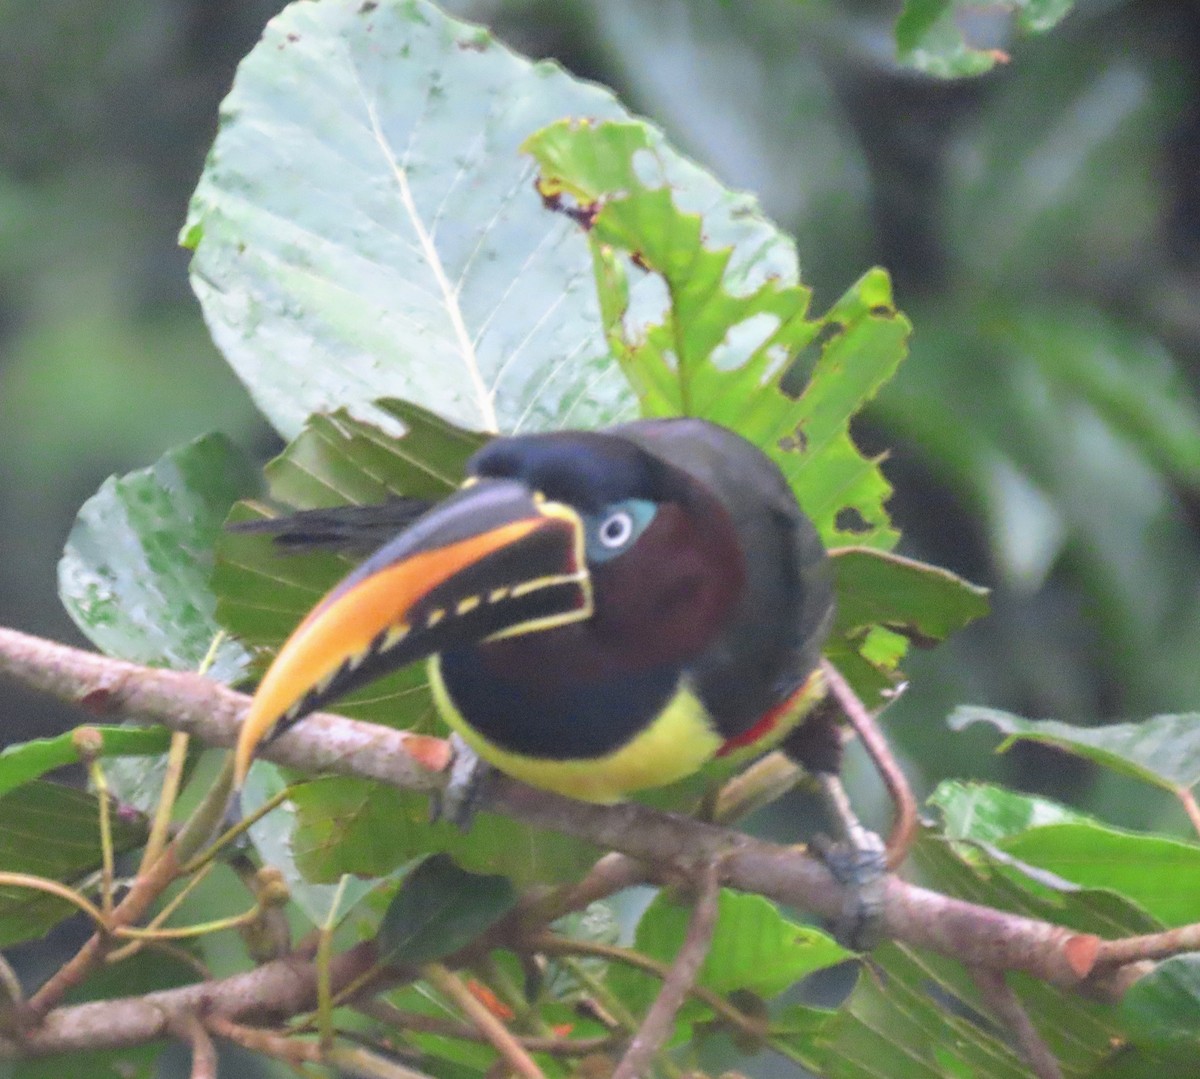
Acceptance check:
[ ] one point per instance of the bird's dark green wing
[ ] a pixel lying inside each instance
(352, 530)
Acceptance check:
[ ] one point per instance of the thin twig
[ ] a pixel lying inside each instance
(358, 1060)
(204, 1053)
(149, 884)
(681, 980)
(160, 827)
(350, 1059)
(767, 780)
(904, 827)
(62, 891)
(104, 804)
(1185, 938)
(11, 993)
(607, 1007)
(170, 908)
(553, 944)
(610, 874)
(205, 856)
(498, 1035)
(1004, 1004)
(322, 959)
(1188, 799)
(268, 1042)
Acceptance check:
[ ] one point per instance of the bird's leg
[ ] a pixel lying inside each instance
(858, 860)
(904, 825)
(458, 801)
(855, 855)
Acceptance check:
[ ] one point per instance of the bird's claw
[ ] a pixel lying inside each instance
(860, 866)
(459, 800)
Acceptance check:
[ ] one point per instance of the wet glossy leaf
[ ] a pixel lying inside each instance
(134, 574)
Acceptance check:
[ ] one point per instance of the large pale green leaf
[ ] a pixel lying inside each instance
(737, 331)
(134, 574)
(53, 831)
(938, 37)
(1163, 750)
(365, 226)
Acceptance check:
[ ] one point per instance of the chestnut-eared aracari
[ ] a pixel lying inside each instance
(603, 611)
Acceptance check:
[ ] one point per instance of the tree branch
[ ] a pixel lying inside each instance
(976, 935)
(1003, 1003)
(276, 990)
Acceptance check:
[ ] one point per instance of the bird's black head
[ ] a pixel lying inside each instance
(661, 552)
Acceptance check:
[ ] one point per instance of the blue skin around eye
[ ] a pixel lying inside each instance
(641, 511)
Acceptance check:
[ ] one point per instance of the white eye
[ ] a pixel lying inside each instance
(616, 529)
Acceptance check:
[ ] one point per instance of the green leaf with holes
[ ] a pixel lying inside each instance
(737, 345)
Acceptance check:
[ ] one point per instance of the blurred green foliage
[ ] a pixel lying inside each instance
(1042, 224)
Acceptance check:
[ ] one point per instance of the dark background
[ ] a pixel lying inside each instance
(1042, 224)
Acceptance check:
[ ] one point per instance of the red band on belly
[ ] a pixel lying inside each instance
(765, 725)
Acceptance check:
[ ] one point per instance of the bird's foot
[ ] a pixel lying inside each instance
(458, 801)
(859, 864)
(858, 859)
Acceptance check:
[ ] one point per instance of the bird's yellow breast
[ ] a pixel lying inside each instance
(678, 743)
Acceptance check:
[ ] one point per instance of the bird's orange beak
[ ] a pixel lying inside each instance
(493, 560)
